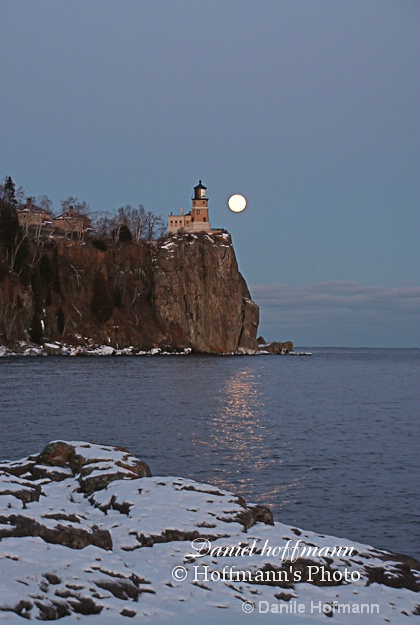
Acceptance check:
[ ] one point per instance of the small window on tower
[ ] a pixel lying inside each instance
(198, 212)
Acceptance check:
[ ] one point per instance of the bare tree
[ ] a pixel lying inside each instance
(44, 202)
(138, 222)
(133, 218)
(121, 218)
(20, 195)
(154, 226)
(142, 224)
(102, 224)
(78, 206)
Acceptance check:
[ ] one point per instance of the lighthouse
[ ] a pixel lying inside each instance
(196, 220)
(200, 210)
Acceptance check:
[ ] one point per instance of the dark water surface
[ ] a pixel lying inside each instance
(331, 442)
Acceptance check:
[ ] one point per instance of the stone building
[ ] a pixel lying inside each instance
(197, 219)
(72, 223)
(31, 215)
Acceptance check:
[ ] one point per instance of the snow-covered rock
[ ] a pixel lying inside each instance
(86, 531)
(89, 349)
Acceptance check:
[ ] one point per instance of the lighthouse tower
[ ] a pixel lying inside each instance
(200, 210)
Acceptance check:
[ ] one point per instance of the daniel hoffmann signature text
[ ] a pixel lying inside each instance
(288, 554)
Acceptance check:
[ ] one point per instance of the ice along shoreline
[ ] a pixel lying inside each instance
(24, 348)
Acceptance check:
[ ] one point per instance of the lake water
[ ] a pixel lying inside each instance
(329, 442)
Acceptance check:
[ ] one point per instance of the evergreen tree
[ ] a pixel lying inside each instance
(124, 234)
(13, 243)
(9, 228)
(9, 191)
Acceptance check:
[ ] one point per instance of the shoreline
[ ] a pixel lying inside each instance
(62, 349)
(114, 540)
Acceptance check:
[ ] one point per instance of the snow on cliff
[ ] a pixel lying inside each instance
(87, 535)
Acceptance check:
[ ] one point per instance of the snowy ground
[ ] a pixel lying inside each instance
(86, 535)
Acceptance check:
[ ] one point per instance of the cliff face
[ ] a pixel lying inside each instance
(200, 298)
(185, 291)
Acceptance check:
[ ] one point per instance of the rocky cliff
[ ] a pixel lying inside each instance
(181, 292)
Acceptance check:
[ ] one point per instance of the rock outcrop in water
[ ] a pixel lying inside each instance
(85, 530)
(181, 292)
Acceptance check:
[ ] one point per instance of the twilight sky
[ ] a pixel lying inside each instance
(310, 108)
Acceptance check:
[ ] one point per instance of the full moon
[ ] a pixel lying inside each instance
(237, 203)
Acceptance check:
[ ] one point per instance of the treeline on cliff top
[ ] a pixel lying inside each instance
(124, 224)
(29, 255)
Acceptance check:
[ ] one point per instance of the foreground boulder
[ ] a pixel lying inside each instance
(86, 531)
